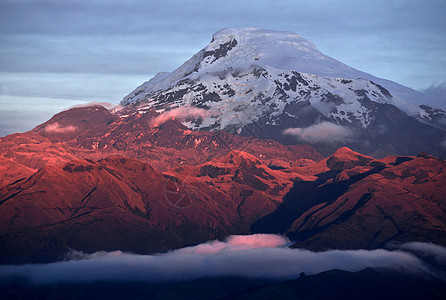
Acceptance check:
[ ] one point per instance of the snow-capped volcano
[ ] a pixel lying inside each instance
(276, 84)
(248, 48)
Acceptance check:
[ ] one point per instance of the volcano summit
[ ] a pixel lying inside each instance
(272, 84)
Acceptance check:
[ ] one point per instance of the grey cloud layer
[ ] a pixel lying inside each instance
(259, 256)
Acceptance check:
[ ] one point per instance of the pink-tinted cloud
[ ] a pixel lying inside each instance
(258, 240)
(56, 128)
(181, 113)
(237, 243)
(324, 132)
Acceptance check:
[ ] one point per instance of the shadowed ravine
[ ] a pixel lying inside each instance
(305, 195)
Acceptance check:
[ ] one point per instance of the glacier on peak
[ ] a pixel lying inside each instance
(244, 48)
(259, 82)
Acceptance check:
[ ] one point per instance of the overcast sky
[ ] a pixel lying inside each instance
(55, 54)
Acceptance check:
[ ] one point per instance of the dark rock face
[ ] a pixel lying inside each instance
(212, 171)
(434, 116)
(221, 51)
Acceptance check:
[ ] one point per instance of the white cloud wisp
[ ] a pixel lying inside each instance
(181, 113)
(324, 132)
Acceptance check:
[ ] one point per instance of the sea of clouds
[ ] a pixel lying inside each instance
(256, 256)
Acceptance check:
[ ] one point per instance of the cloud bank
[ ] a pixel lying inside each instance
(324, 132)
(181, 113)
(426, 250)
(256, 256)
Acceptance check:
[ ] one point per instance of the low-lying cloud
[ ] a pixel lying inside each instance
(181, 113)
(56, 128)
(256, 256)
(324, 132)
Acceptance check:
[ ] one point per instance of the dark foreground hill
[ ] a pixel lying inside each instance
(335, 284)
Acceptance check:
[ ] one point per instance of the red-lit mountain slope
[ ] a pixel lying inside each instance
(89, 180)
(356, 202)
(122, 203)
(94, 132)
